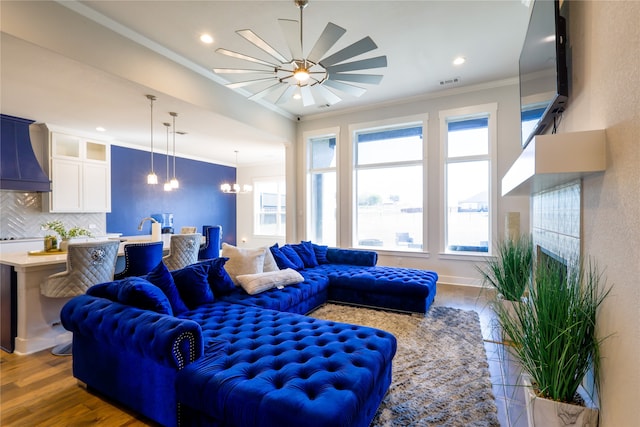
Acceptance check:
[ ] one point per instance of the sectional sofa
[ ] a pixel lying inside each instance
(218, 343)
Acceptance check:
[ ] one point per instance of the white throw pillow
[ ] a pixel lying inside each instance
(269, 261)
(260, 282)
(242, 261)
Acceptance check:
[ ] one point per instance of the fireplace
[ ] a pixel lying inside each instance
(556, 223)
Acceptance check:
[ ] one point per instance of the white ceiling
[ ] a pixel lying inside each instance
(74, 88)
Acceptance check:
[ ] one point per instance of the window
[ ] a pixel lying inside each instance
(271, 206)
(389, 187)
(322, 189)
(467, 147)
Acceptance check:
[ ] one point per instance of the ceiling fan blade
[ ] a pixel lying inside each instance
(291, 32)
(307, 97)
(355, 49)
(344, 87)
(238, 71)
(327, 39)
(286, 95)
(257, 41)
(244, 57)
(247, 82)
(331, 97)
(372, 79)
(266, 91)
(364, 64)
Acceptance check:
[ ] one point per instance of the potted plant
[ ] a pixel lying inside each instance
(65, 235)
(509, 271)
(554, 338)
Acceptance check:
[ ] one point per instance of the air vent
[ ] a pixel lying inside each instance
(450, 81)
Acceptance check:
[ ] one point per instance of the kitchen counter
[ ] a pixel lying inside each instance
(23, 259)
(38, 317)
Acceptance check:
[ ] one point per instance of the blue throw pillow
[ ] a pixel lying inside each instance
(108, 290)
(140, 293)
(321, 253)
(306, 254)
(281, 259)
(134, 291)
(161, 277)
(193, 284)
(219, 280)
(291, 254)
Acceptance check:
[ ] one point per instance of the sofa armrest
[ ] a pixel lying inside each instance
(166, 339)
(352, 257)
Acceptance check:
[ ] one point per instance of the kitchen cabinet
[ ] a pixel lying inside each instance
(80, 173)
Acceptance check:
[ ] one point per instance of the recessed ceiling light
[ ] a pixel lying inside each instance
(101, 129)
(459, 60)
(206, 38)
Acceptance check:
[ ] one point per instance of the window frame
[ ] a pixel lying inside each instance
(333, 132)
(489, 111)
(282, 183)
(391, 123)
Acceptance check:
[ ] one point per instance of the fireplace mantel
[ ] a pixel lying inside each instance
(552, 160)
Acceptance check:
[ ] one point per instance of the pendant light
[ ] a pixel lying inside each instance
(152, 178)
(236, 188)
(167, 183)
(174, 181)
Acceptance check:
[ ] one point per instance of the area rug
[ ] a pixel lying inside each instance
(440, 370)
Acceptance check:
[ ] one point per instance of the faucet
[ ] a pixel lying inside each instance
(145, 219)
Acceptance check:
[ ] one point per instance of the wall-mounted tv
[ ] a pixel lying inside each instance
(543, 69)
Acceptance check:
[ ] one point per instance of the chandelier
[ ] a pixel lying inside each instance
(236, 188)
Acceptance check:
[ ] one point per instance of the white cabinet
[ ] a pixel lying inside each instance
(80, 173)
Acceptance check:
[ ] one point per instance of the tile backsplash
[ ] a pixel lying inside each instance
(21, 215)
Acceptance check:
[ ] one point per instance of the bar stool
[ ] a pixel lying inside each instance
(140, 258)
(88, 264)
(184, 250)
(211, 247)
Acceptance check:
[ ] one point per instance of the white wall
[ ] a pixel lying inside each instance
(604, 40)
(460, 271)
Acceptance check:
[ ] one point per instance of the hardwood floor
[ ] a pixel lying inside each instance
(39, 389)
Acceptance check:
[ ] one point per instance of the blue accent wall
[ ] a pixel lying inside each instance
(197, 202)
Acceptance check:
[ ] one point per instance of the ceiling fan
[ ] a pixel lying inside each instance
(295, 75)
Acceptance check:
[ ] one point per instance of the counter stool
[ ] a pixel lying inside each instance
(211, 247)
(88, 264)
(140, 258)
(183, 251)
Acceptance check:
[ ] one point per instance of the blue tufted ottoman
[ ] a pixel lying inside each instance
(401, 289)
(269, 368)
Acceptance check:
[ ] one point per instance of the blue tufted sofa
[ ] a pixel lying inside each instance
(190, 348)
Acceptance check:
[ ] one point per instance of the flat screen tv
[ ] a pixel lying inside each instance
(543, 69)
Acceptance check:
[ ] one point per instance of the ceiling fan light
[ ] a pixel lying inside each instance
(301, 75)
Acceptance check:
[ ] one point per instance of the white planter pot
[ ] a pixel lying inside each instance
(543, 412)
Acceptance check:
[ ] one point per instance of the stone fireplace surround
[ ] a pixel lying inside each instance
(556, 221)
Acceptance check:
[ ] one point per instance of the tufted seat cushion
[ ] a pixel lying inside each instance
(403, 289)
(282, 369)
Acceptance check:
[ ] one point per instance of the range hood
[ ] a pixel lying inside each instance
(19, 167)
(552, 160)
